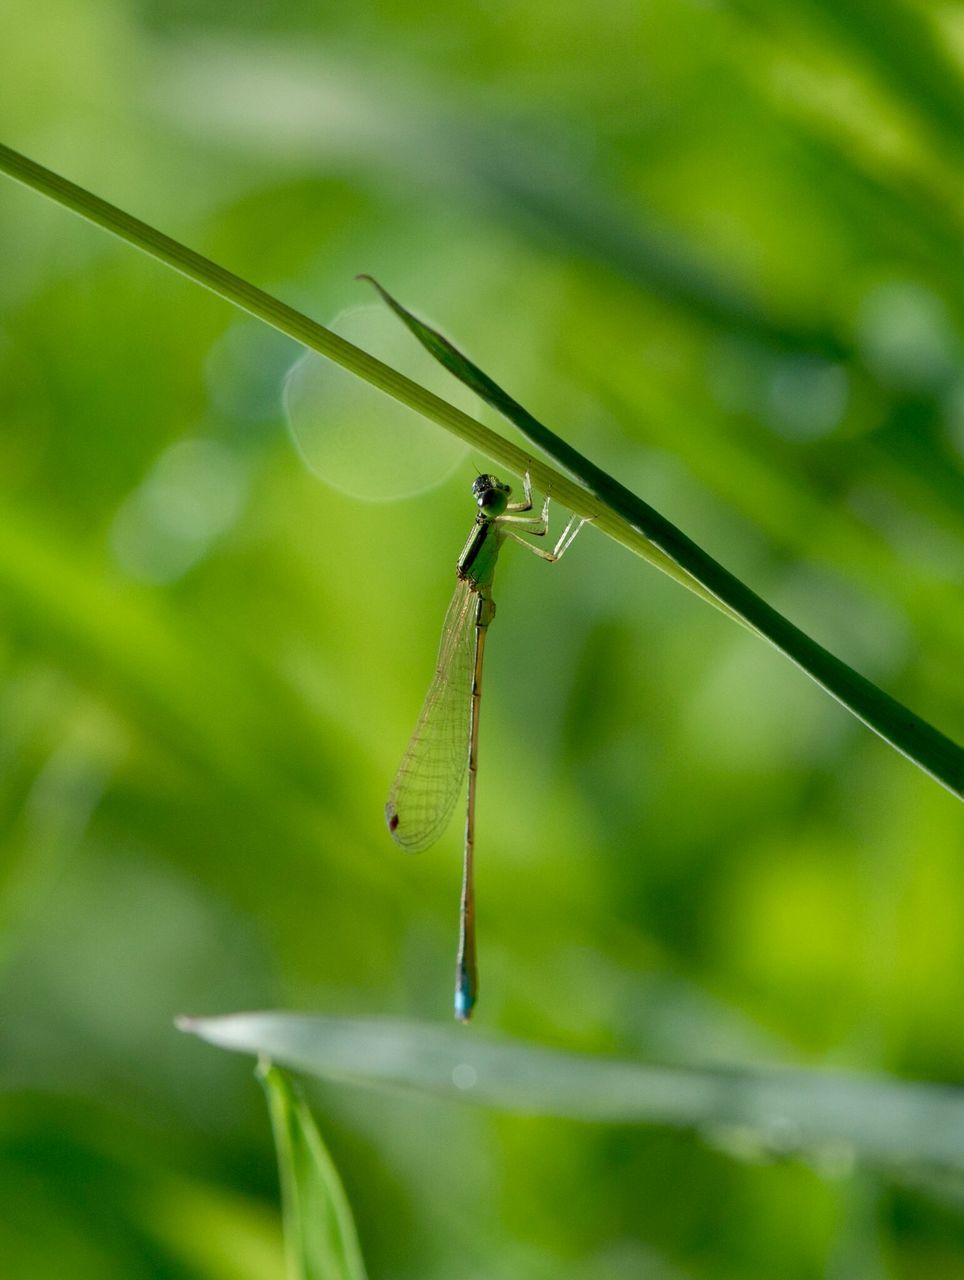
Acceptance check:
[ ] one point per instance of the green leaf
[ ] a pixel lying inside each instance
(875, 1119)
(913, 737)
(614, 510)
(320, 1237)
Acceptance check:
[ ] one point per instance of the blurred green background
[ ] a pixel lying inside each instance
(716, 246)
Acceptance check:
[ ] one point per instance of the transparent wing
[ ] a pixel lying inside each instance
(430, 776)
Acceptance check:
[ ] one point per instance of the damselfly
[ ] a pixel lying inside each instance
(446, 738)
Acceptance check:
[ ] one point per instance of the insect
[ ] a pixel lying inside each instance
(446, 738)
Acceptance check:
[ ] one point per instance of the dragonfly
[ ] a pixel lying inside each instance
(445, 742)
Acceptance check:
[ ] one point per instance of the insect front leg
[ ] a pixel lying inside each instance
(566, 538)
(535, 526)
(526, 503)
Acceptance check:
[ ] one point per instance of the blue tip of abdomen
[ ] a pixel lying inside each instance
(464, 998)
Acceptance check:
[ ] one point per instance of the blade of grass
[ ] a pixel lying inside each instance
(295, 324)
(916, 739)
(875, 1118)
(615, 510)
(320, 1238)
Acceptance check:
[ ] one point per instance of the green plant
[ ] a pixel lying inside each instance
(613, 509)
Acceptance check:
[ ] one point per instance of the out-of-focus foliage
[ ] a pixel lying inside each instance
(724, 241)
(320, 1236)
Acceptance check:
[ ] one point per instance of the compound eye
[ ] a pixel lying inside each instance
(491, 495)
(494, 501)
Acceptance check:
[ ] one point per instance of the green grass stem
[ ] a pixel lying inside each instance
(321, 1242)
(594, 494)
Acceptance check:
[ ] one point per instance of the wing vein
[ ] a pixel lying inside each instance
(429, 778)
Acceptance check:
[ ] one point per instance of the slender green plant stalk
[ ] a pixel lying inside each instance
(321, 1242)
(614, 509)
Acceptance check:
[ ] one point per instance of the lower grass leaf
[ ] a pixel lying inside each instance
(320, 1238)
(878, 1120)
